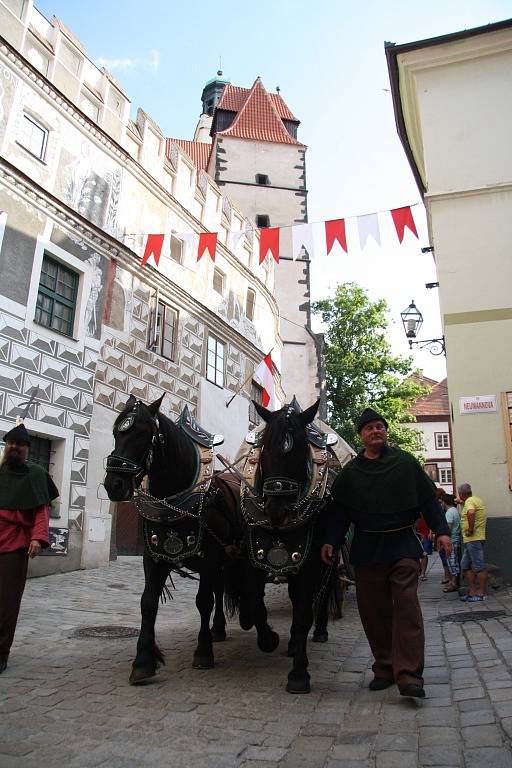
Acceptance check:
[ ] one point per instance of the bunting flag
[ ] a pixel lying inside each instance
(235, 237)
(335, 232)
(302, 237)
(207, 242)
(263, 375)
(269, 241)
(402, 218)
(368, 226)
(154, 245)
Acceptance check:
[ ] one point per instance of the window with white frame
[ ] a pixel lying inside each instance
(256, 397)
(445, 475)
(15, 6)
(215, 361)
(32, 136)
(163, 331)
(57, 297)
(219, 281)
(90, 108)
(176, 249)
(442, 440)
(250, 303)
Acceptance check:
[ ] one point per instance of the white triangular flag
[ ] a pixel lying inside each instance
(234, 238)
(302, 237)
(191, 240)
(368, 226)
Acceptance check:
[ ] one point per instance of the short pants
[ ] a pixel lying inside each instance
(453, 560)
(473, 557)
(427, 545)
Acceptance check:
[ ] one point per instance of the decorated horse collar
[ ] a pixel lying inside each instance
(317, 478)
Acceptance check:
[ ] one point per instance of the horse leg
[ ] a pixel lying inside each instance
(219, 620)
(203, 654)
(149, 655)
(302, 603)
(320, 633)
(268, 640)
(291, 641)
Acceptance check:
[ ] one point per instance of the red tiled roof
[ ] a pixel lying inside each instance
(233, 98)
(257, 118)
(434, 404)
(198, 151)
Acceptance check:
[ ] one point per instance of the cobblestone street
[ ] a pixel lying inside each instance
(65, 701)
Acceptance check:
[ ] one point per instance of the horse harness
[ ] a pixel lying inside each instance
(173, 527)
(281, 551)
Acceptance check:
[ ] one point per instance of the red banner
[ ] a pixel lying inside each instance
(269, 241)
(207, 242)
(335, 232)
(402, 218)
(154, 245)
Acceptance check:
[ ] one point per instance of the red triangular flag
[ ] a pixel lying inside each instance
(335, 231)
(154, 245)
(402, 218)
(207, 242)
(269, 241)
(263, 374)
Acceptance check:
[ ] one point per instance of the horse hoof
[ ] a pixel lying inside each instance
(269, 642)
(320, 637)
(246, 621)
(218, 635)
(298, 685)
(141, 675)
(203, 662)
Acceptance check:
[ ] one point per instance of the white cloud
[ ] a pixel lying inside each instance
(125, 65)
(150, 62)
(153, 60)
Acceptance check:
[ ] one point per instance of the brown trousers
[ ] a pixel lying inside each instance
(13, 575)
(387, 598)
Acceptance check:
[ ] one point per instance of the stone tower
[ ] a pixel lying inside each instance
(258, 161)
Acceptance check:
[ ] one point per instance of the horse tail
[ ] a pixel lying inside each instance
(328, 604)
(233, 575)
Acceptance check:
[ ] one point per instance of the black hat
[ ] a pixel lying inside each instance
(370, 415)
(18, 435)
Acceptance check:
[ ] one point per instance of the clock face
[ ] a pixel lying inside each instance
(125, 424)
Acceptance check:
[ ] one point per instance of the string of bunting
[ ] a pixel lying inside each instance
(302, 236)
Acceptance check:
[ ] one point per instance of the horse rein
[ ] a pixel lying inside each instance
(120, 464)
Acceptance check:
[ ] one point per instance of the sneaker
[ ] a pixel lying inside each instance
(474, 599)
(416, 691)
(380, 683)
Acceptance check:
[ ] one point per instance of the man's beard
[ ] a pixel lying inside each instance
(13, 459)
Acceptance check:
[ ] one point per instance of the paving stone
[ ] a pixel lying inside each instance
(479, 717)
(482, 736)
(437, 756)
(488, 757)
(396, 760)
(437, 735)
(405, 742)
(351, 751)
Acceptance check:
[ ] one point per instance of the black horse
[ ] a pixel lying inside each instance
(286, 522)
(189, 522)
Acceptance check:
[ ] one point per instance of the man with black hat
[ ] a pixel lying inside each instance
(382, 491)
(26, 491)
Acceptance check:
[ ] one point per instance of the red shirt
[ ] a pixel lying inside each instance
(422, 528)
(18, 527)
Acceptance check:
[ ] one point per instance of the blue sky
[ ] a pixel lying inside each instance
(328, 59)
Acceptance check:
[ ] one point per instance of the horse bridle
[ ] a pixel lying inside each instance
(121, 465)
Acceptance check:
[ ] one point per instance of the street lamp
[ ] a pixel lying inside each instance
(412, 320)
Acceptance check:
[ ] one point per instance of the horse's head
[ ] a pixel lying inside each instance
(284, 458)
(135, 435)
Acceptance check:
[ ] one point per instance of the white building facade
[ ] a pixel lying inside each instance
(82, 324)
(453, 106)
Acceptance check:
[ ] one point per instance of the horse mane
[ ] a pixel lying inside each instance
(280, 423)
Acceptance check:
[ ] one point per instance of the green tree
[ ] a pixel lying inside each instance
(361, 370)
